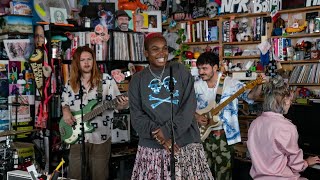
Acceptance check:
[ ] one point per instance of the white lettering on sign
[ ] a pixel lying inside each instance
(259, 6)
(312, 3)
(228, 6)
(225, 6)
(266, 6)
(243, 6)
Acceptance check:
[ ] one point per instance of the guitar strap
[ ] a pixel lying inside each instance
(220, 88)
(99, 92)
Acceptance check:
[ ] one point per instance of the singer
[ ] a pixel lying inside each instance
(150, 108)
(95, 86)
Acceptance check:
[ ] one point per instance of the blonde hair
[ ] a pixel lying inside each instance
(275, 93)
(76, 72)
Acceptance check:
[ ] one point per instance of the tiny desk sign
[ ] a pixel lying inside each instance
(243, 6)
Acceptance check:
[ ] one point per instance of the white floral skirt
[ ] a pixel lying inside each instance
(154, 164)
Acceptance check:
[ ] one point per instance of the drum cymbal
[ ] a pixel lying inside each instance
(13, 132)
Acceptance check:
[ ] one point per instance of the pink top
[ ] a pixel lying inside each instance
(274, 150)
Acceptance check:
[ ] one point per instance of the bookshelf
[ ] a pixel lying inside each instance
(241, 57)
(303, 64)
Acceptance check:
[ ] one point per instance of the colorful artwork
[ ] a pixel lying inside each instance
(18, 49)
(23, 110)
(16, 24)
(104, 14)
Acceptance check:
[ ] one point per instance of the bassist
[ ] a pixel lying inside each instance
(216, 87)
(94, 86)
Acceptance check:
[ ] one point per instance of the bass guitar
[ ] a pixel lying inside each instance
(212, 111)
(70, 134)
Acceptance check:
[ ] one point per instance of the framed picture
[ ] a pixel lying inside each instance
(41, 6)
(101, 13)
(18, 49)
(58, 15)
(154, 20)
(141, 22)
(318, 44)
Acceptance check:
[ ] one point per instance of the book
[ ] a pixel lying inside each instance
(212, 31)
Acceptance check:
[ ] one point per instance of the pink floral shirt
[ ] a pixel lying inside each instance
(274, 150)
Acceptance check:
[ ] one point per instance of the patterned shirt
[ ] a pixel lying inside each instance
(103, 122)
(229, 114)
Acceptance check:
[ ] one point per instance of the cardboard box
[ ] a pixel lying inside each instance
(16, 24)
(25, 151)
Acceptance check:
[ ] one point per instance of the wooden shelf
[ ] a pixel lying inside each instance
(300, 35)
(301, 61)
(200, 43)
(299, 10)
(241, 57)
(224, 16)
(205, 18)
(240, 15)
(303, 84)
(241, 43)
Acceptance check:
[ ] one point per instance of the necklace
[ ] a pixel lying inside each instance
(214, 84)
(159, 78)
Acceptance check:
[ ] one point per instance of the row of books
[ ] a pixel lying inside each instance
(280, 46)
(309, 73)
(126, 46)
(200, 31)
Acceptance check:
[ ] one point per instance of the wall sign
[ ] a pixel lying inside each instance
(232, 6)
(312, 3)
(266, 6)
(241, 6)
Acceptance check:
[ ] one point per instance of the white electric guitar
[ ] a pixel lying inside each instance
(212, 111)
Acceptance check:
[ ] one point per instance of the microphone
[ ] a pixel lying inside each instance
(171, 83)
(172, 158)
(80, 89)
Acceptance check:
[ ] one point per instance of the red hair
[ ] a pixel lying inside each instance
(150, 36)
(76, 72)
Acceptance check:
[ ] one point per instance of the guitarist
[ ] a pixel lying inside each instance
(214, 86)
(94, 86)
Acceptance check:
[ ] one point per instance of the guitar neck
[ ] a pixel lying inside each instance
(96, 111)
(226, 102)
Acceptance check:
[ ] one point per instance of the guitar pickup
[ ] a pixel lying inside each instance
(74, 125)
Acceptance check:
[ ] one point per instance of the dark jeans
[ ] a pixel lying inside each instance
(97, 161)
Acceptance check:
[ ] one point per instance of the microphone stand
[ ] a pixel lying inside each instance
(172, 159)
(82, 137)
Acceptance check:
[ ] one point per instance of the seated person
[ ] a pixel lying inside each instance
(273, 139)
